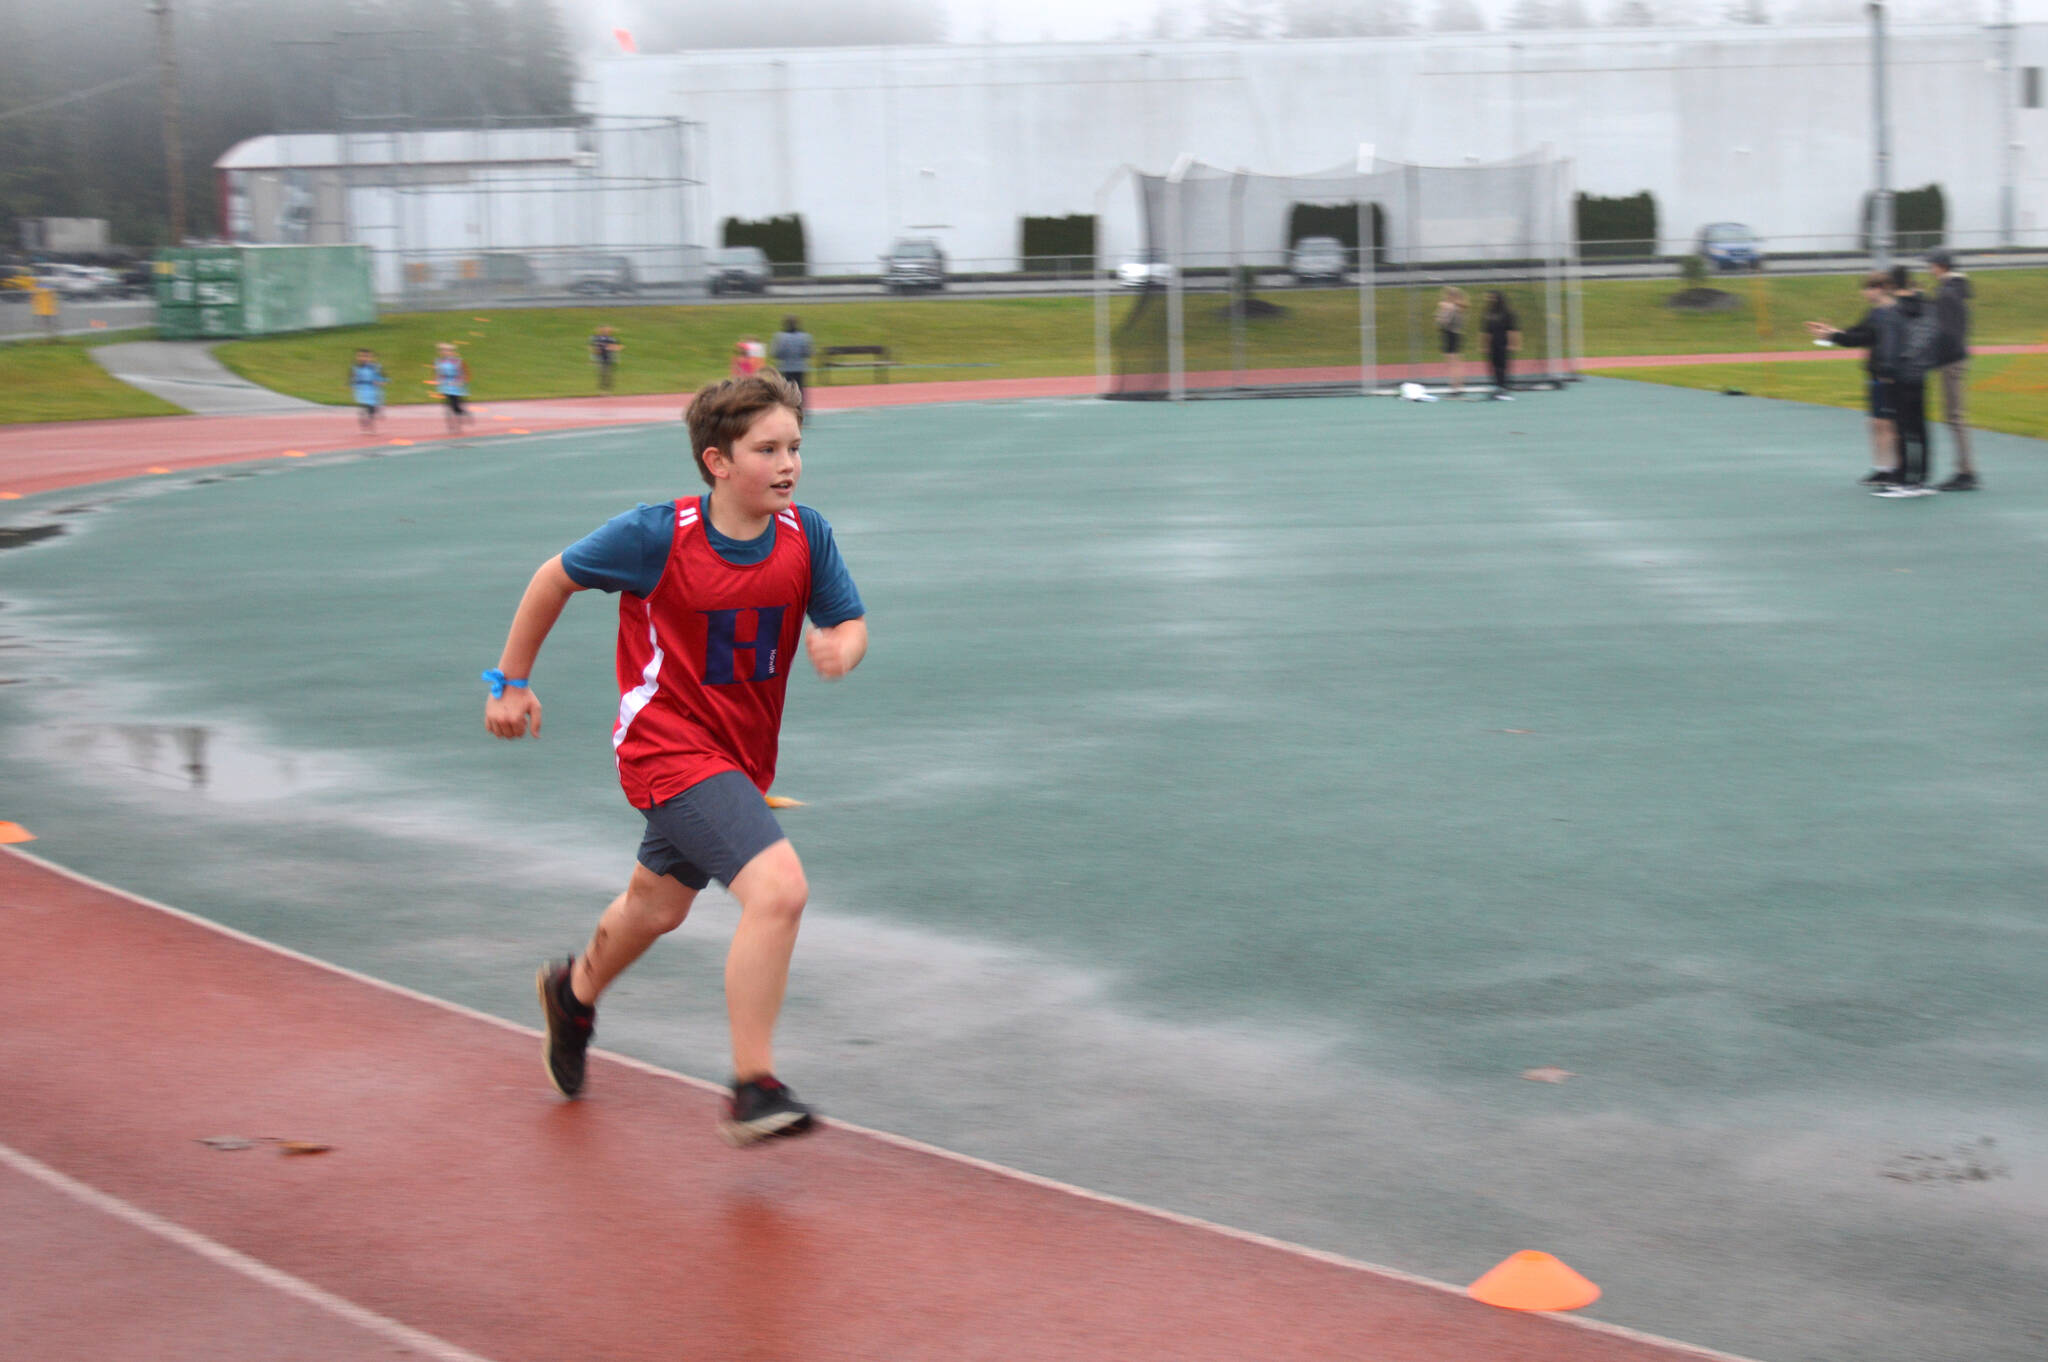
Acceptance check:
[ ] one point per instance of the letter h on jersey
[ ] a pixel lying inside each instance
(722, 641)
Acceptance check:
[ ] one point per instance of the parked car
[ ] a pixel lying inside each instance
(914, 262)
(1730, 246)
(138, 280)
(17, 281)
(80, 281)
(1318, 260)
(592, 275)
(1149, 268)
(739, 269)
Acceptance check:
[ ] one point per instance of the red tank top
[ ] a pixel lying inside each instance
(704, 661)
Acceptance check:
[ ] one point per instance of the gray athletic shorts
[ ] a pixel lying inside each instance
(709, 831)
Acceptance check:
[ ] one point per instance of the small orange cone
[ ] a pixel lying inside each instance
(1533, 1281)
(14, 832)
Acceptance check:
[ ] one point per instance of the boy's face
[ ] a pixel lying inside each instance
(1876, 297)
(759, 473)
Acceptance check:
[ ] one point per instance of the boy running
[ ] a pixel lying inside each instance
(713, 594)
(604, 353)
(366, 382)
(451, 380)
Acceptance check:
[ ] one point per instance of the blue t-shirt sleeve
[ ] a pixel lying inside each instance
(626, 553)
(834, 600)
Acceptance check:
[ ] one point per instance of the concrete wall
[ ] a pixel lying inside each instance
(1769, 126)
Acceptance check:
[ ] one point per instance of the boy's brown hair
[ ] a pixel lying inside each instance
(722, 412)
(1878, 279)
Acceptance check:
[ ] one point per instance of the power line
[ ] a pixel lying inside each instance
(133, 78)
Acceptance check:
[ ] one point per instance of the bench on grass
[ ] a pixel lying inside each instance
(875, 358)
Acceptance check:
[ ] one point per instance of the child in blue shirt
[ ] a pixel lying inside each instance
(451, 380)
(366, 380)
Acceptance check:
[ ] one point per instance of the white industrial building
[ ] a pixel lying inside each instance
(1769, 126)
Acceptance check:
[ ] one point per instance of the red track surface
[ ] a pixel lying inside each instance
(463, 1209)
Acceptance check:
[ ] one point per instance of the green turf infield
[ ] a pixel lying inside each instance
(1238, 800)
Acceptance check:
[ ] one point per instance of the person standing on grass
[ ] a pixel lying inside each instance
(1503, 338)
(714, 591)
(366, 381)
(451, 380)
(604, 353)
(792, 352)
(1450, 330)
(1867, 335)
(1952, 296)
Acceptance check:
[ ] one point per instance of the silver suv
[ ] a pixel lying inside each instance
(1318, 260)
(739, 269)
(914, 262)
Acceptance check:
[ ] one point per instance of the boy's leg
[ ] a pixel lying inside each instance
(652, 906)
(772, 892)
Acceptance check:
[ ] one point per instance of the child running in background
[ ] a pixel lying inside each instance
(366, 381)
(713, 594)
(604, 353)
(748, 357)
(451, 380)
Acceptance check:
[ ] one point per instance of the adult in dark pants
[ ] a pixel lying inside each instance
(1884, 450)
(793, 352)
(1952, 295)
(1503, 338)
(1915, 348)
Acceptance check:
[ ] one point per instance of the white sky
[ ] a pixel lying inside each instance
(1079, 20)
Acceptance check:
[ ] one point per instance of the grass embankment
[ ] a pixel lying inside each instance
(2007, 392)
(543, 352)
(44, 382)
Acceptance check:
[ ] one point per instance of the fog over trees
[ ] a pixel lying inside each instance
(81, 133)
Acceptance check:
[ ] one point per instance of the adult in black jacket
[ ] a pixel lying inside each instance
(1913, 352)
(1952, 295)
(1503, 338)
(1867, 335)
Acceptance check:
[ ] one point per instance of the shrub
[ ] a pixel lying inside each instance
(780, 239)
(1058, 245)
(1617, 226)
(1919, 219)
(1339, 220)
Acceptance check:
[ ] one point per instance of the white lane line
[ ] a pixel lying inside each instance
(214, 1252)
(1673, 1346)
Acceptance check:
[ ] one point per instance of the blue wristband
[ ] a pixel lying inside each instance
(499, 681)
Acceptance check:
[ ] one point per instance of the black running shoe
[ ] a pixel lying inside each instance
(570, 1026)
(1961, 482)
(1877, 477)
(763, 1109)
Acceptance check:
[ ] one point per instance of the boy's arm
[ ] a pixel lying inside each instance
(507, 715)
(838, 649)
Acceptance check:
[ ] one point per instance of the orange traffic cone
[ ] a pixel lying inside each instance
(14, 832)
(1533, 1281)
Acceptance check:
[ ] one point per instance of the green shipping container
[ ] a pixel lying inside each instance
(217, 292)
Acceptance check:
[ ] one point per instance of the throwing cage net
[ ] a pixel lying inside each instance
(1238, 284)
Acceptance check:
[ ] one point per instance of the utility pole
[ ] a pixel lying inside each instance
(1881, 204)
(2008, 97)
(174, 151)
